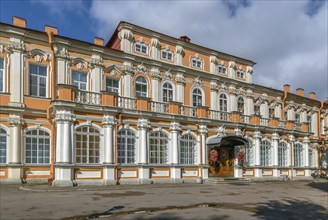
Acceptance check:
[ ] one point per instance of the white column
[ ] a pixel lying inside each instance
(179, 54)
(62, 57)
(291, 113)
(63, 171)
(155, 49)
(306, 142)
(15, 151)
(127, 83)
(126, 37)
(203, 133)
(17, 49)
(156, 91)
(180, 85)
(213, 64)
(109, 122)
(249, 103)
(214, 95)
(231, 70)
(275, 142)
(249, 73)
(291, 139)
(265, 107)
(257, 156)
(143, 125)
(232, 99)
(315, 122)
(175, 153)
(277, 110)
(96, 73)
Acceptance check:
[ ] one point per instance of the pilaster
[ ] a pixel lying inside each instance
(143, 126)
(179, 54)
(175, 129)
(109, 123)
(180, 85)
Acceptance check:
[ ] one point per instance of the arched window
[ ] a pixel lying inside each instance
(158, 142)
(282, 154)
(3, 146)
(265, 150)
(298, 155)
(223, 103)
(167, 92)
(188, 149)
(87, 145)
(241, 105)
(249, 153)
(37, 147)
(126, 146)
(197, 97)
(141, 86)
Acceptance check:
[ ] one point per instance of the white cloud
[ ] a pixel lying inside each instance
(288, 45)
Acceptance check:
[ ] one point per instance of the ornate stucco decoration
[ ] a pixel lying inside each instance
(15, 120)
(213, 59)
(232, 65)
(97, 62)
(125, 34)
(290, 105)
(175, 126)
(113, 70)
(17, 45)
(61, 52)
(214, 85)
(179, 50)
(155, 74)
(141, 69)
(39, 55)
(223, 88)
(80, 63)
(249, 69)
(155, 43)
(198, 82)
(168, 75)
(64, 116)
(179, 78)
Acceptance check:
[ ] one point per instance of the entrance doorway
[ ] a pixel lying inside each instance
(221, 161)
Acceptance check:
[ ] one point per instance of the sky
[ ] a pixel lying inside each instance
(288, 39)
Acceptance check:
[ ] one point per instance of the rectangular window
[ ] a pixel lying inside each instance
(112, 85)
(222, 70)
(271, 113)
(2, 74)
(240, 74)
(37, 80)
(167, 55)
(79, 79)
(309, 120)
(196, 63)
(140, 48)
(297, 118)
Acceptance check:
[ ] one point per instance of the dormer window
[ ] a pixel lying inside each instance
(222, 69)
(167, 55)
(196, 63)
(240, 74)
(141, 48)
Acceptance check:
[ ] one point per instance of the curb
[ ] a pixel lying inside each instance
(22, 188)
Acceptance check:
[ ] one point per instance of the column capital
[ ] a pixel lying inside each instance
(15, 120)
(238, 132)
(291, 138)
(203, 129)
(257, 134)
(64, 116)
(306, 140)
(275, 136)
(143, 123)
(109, 120)
(175, 126)
(214, 86)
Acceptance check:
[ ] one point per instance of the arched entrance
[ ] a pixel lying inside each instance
(222, 156)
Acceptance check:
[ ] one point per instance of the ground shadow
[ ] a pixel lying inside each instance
(321, 185)
(291, 209)
(170, 216)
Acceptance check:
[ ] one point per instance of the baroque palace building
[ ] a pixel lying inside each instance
(145, 107)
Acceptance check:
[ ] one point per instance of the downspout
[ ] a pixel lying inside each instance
(283, 105)
(320, 138)
(49, 117)
(201, 153)
(116, 148)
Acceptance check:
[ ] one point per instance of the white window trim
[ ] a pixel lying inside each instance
(197, 60)
(147, 83)
(167, 51)
(141, 45)
(113, 78)
(47, 80)
(226, 69)
(197, 149)
(7, 143)
(191, 95)
(244, 110)
(136, 145)
(173, 90)
(240, 71)
(4, 85)
(83, 72)
(228, 107)
(168, 138)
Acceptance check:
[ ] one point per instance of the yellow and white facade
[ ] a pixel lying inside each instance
(142, 108)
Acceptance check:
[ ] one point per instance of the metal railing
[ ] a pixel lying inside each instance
(126, 102)
(86, 97)
(160, 107)
(188, 111)
(218, 115)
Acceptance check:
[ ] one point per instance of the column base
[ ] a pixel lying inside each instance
(109, 175)
(63, 183)
(257, 172)
(238, 172)
(63, 177)
(144, 173)
(276, 172)
(176, 173)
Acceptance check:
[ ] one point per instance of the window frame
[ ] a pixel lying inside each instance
(298, 155)
(79, 82)
(111, 88)
(200, 94)
(5, 135)
(158, 153)
(223, 68)
(188, 147)
(3, 75)
(38, 80)
(195, 62)
(238, 105)
(167, 53)
(167, 90)
(87, 134)
(128, 134)
(221, 101)
(142, 45)
(265, 153)
(142, 84)
(38, 137)
(240, 74)
(282, 154)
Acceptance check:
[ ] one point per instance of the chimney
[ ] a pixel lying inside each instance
(48, 29)
(185, 39)
(286, 88)
(98, 41)
(300, 92)
(19, 22)
(312, 95)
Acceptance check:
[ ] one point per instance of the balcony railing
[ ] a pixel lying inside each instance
(188, 111)
(297, 126)
(86, 97)
(218, 115)
(160, 107)
(245, 119)
(126, 102)
(264, 121)
(282, 124)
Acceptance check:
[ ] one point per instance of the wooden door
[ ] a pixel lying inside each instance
(224, 166)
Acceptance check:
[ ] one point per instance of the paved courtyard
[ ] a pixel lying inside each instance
(259, 200)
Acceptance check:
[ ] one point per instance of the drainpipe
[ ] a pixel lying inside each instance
(116, 148)
(283, 105)
(201, 153)
(49, 117)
